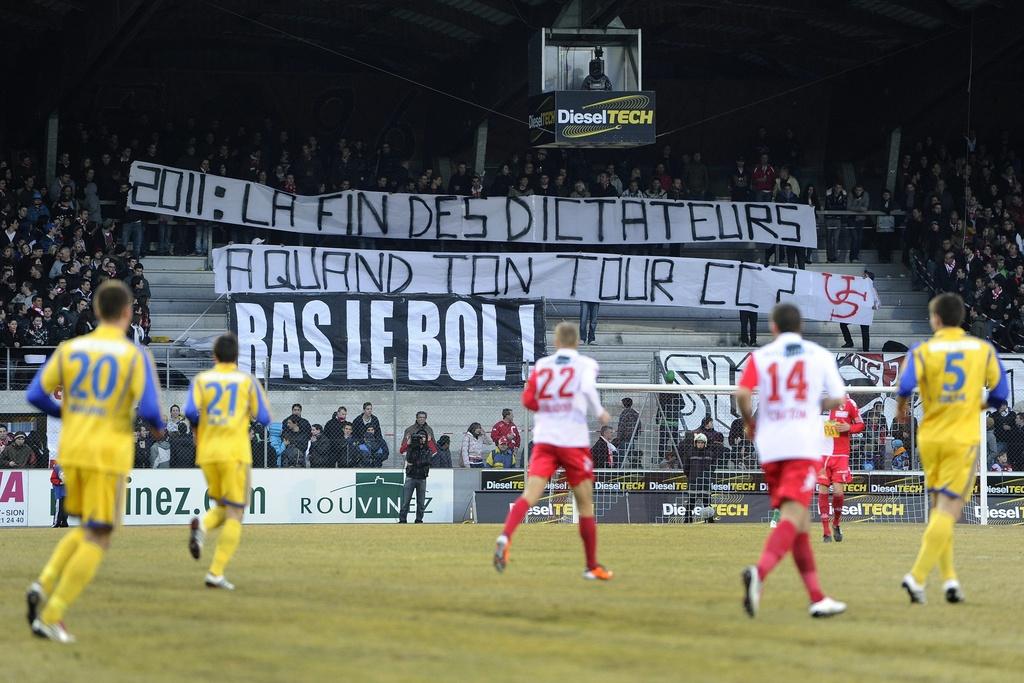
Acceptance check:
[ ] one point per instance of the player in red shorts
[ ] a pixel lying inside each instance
(835, 469)
(560, 390)
(796, 380)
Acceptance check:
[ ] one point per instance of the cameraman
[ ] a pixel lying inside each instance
(417, 457)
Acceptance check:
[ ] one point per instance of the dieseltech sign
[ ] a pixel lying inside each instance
(303, 496)
(582, 118)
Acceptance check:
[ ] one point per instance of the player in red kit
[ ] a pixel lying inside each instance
(795, 380)
(835, 468)
(561, 389)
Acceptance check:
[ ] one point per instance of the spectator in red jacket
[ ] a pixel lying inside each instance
(506, 428)
(762, 180)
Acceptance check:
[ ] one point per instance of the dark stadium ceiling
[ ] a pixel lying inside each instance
(430, 40)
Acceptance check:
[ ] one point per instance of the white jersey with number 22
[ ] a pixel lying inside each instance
(561, 388)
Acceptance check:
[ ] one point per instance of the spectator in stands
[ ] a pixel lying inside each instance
(748, 328)
(291, 456)
(670, 460)
(835, 200)
(522, 188)
(160, 453)
(419, 425)
(739, 182)
(474, 449)
(865, 330)
(900, 456)
(604, 453)
(1002, 463)
(696, 178)
(19, 455)
(627, 430)
(36, 334)
(677, 192)
(632, 191)
(506, 428)
(588, 321)
(334, 429)
(176, 422)
(503, 182)
(297, 428)
(502, 456)
(460, 181)
(762, 179)
(1015, 444)
(443, 456)
(657, 190)
(318, 452)
(885, 227)
(6, 438)
(715, 438)
(142, 454)
(858, 202)
(417, 457)
(1005, 421)
(373, 450)
(364, 421)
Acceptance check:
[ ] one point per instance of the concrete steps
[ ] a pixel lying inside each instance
(174, 263)
(182, 278)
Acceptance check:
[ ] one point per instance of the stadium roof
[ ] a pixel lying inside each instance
(431, 40)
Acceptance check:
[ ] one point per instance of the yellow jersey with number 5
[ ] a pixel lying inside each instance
(951, 372)
(220, 404)
(104, 376)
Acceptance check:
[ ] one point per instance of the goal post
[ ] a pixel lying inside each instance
(660, 474)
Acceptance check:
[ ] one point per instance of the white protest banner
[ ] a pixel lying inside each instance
(276, 496)
(604, 278)
(525, 220)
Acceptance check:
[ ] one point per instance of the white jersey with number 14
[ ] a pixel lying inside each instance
(561, 388)
(791, 375)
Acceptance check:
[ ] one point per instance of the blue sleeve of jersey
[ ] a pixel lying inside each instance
(909, 379)
(262, 414)
(999, 393)
(149, 404)
(39, 397)
(190, 411)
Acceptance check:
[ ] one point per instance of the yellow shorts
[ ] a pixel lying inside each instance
(94, 496)
(949, 467)
(228, 482)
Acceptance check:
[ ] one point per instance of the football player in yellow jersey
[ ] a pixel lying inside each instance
(104, 376)
(220, 404)
(951, 372)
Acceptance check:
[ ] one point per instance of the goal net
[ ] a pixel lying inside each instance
(660, 469)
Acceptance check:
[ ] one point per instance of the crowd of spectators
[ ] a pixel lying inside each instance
(94, 162)
(964, 231)
(55, 249)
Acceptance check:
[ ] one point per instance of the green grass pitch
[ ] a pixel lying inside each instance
(422, 603)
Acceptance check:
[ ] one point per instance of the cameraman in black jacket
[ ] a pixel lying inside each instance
(417, 468)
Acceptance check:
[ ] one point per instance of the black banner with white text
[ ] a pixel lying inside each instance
(436, 341)
(564, 221)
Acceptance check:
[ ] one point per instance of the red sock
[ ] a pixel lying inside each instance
(588, 532)
(837, 508)
(823, 511)
(780, 540)
(516, 514)
(804, 558)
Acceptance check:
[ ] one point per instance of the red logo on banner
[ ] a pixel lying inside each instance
(843, 296)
